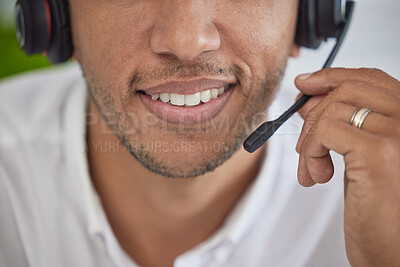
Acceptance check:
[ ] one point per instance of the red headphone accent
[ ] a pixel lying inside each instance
(48, 17)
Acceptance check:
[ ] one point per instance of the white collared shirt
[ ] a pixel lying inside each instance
(50, 214)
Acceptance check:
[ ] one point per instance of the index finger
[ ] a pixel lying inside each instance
(326, 80)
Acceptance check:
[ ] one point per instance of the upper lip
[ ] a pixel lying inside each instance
(187, 87)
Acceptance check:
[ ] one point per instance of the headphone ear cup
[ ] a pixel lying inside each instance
(330, 17)
(61, 47)
(306, 32)
(32, 26)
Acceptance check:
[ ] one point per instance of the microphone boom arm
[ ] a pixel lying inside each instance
(267, 129)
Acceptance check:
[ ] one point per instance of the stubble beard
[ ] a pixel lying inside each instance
(105, 103)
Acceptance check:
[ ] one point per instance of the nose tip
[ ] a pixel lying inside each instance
(185, 36)
(185, 45)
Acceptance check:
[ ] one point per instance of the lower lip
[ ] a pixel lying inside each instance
(187, 115)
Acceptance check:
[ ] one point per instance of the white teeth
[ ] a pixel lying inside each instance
(214, 93)
(221, 91)
(189, 100)
(192, 100)
(177, 100)
(205, 96)
(164, 97)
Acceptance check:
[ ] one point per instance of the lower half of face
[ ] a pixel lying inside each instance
(184, 118)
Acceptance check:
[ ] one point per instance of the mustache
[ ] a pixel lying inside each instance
(175, 69)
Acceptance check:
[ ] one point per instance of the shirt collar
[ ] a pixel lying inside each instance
(91, 199)
(76, 149)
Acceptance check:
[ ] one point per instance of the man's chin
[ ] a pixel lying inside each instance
(184, 159)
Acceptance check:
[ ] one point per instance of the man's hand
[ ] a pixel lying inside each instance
(371, 155)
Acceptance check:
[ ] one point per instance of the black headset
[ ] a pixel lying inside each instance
(43, 26)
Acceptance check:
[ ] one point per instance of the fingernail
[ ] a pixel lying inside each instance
(304, 76)
(298, 145)
(298, 148)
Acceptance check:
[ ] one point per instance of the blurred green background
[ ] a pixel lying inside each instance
(12, 58)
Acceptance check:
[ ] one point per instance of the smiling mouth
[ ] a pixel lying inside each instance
(189, 100)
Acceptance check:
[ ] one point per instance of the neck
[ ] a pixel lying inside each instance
(151, 214)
